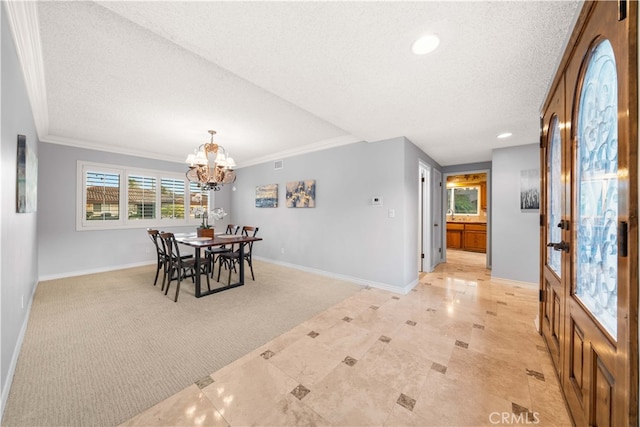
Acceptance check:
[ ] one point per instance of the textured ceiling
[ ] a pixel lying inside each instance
(278, 78)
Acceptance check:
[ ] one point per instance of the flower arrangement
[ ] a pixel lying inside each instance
(201, 212)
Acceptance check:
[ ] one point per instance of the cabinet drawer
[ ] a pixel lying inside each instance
(475, 227)
(455, 226)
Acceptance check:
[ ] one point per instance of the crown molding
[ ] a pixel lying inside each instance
(23, 22)
(322, 145)
(70, 142)
(310, 148)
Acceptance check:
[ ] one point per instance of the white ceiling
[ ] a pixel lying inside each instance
(280, 78)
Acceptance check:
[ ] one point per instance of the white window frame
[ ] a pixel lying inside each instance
(124, 222)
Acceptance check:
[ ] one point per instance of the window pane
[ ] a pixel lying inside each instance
(554, 187)
(142, 197)
(102, 196)
(597, 187)
(172, 198)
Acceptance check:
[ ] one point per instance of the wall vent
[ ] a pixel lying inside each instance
(278, 164)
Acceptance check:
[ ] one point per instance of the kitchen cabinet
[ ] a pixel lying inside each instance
(475, 237)
(454, 235)
(468, 236)
(483, 196)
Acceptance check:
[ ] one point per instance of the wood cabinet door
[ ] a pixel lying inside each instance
(597, 346)
(454, 239)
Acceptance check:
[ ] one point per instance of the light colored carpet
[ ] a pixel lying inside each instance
(101, 348)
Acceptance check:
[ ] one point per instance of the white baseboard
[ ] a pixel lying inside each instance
(94, 270)
(403, 291)
(391, 288)
(16, 353)
(515, 283)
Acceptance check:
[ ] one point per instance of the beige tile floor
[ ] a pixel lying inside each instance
(458, 350)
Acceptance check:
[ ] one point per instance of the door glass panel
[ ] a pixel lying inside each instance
(597, 188)
(554, 188)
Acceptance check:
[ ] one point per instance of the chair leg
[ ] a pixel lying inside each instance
(155, 281)
(212, 264)
(251, 267)
(220, 261)
(164, 274)
(169, 274)
(177, 288)
(172, 270)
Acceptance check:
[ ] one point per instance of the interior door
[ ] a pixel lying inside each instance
(595, 353)
(439, 225)
(424, 218)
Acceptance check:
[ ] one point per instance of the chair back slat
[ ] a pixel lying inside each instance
(171, 246)
(249, 231)
(154, 235)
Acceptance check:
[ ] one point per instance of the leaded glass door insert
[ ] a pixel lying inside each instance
(597, 189)
(554, 191)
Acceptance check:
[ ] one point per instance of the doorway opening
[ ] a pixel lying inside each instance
(467, 218)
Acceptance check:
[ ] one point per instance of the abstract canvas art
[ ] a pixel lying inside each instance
(530, 189)
(26, 177)
(267, 196)
(301, 194)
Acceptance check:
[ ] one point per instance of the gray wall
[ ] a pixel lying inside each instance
(515, 234)
(344, 235)
(63, 251)
(18, 240)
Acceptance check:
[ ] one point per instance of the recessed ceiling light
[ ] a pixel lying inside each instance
(425, 44)
(505, 135)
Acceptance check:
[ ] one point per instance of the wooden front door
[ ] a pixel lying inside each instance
(589, 230)
(555, 259)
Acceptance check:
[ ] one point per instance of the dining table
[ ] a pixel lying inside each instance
(200, 243)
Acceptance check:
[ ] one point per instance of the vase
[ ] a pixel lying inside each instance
(205, 232)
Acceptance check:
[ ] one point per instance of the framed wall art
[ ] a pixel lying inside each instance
(267, 196)
(530, 190)
(26, 178)
(301, 194)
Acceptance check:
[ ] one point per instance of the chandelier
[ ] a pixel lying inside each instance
(210, 166)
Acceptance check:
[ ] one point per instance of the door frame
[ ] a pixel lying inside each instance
(444, 210)
(439, 220)
(424, 218)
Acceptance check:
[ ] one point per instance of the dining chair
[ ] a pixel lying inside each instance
(154, 236)
(179, 266)
(229, 259)
(213, 252)
(161, 251)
